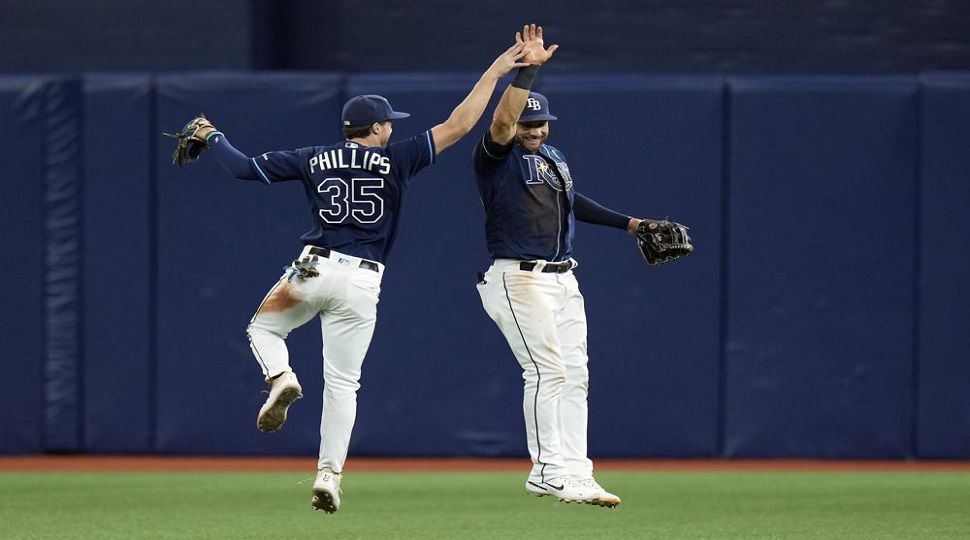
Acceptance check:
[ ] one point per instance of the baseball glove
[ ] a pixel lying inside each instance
(662, 241)
(190, 143)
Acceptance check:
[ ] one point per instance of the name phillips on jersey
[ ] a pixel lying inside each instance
(350, 157)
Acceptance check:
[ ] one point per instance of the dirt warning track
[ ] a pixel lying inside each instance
(236, 463)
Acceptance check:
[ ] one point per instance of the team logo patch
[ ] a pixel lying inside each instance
(342, 260)
(535, 170)
(533, 104)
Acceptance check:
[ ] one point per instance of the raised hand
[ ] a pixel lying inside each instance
(509, 60)
(535, 51)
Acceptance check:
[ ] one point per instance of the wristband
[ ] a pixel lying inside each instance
(524, 77)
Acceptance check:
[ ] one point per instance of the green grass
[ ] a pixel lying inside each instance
(676, 505)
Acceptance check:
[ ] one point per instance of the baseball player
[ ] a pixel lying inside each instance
(355, 189)
(530, 290)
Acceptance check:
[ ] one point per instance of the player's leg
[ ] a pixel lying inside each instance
(571, 324)
(571, 328)
(284, 308)
(522, 306)
(288, 305)
(348, 326)
(347, 323)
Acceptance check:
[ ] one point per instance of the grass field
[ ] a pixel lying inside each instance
(491, 505)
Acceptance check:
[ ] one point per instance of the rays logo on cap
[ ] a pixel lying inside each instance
(536, 109)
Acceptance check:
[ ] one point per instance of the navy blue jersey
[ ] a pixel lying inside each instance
(528, 212)
(355, 192)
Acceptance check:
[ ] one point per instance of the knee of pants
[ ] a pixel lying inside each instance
(546, 375)
(256, 329)
(581, 386)
(577, 375)
(341, 385)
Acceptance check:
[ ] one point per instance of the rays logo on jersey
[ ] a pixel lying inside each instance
(537, 171)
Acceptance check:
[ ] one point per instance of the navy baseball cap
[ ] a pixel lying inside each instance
(367, 109)
(536, 109)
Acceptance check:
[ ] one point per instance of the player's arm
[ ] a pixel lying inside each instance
(467, 113)
(267, 168)
(502, 129)
(589, 211)
(233, 161)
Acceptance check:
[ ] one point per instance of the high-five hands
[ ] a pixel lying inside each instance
(509, 60)
(535, 51)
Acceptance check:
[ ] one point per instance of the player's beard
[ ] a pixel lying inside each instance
(530, 143)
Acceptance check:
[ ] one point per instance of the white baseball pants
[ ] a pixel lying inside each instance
(345, 298)
(543, 317)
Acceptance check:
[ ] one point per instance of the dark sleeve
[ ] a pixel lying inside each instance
(412, 155)
(271, 166)
(589, 211)
(279, 166)
(488, 154)
(233, 161)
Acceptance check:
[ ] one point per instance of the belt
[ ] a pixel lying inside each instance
(549, 268)
(364, 263)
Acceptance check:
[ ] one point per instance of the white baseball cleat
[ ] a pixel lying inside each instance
(601, 497)
(326, 491)
(283, 390)
(564, 488)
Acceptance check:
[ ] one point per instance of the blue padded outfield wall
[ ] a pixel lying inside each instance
(22, 228)
(824, 313)
(118, 269)
(820, 266)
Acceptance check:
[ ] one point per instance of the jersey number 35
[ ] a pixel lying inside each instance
(360, 199)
